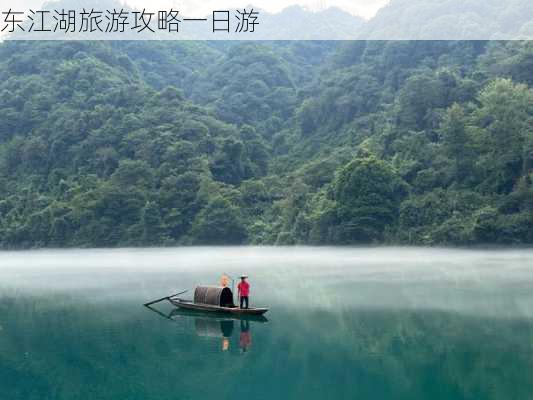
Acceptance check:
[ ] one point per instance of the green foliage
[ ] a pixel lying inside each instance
(218, 223)
(119, 144)
(505, 119)
(367, 193)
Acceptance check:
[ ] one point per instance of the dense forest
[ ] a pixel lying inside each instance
(177, 143)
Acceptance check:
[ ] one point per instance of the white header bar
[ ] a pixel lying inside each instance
(266, 20)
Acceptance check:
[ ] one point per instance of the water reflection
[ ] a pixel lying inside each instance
(212, 325)
(60, 348)
(344, 324)
(216, 329)
(245, 340)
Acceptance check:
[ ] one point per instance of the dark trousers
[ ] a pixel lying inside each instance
(244, 299)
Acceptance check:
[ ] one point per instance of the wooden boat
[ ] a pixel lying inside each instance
(193, 313)
(191, 305)
(215, 299)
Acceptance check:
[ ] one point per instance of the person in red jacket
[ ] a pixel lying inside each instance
(244, 291)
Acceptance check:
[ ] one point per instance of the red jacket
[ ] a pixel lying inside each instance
(244, 288)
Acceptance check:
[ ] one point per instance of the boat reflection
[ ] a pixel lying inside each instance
(212, 325)
(179, 312)
(216, 329)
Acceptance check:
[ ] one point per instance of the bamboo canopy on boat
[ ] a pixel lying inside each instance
(213, 295)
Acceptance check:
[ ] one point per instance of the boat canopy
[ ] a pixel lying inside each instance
(213, 295)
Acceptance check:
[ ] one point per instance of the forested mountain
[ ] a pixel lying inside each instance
(166, 143)
(451, 19)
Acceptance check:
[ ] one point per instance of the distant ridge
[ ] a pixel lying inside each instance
(451, 20)
(299, 23)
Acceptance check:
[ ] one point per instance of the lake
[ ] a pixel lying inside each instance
(345, 323)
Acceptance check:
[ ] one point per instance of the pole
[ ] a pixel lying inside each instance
(164, 298)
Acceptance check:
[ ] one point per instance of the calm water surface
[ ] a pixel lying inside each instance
(376, 324)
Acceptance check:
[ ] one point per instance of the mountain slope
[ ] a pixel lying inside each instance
(108, 144)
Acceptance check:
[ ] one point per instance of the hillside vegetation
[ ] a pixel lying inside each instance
(138, 143)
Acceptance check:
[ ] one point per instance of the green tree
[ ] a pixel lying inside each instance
(368, 193)
(218, 223)
(456, 143)
(505, 125)
(153, 229)
(133, 173)
(228, 165)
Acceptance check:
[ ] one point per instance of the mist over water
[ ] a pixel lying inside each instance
(323, 277)
(371, 323)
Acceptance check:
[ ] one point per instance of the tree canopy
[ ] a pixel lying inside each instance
(135, 143)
